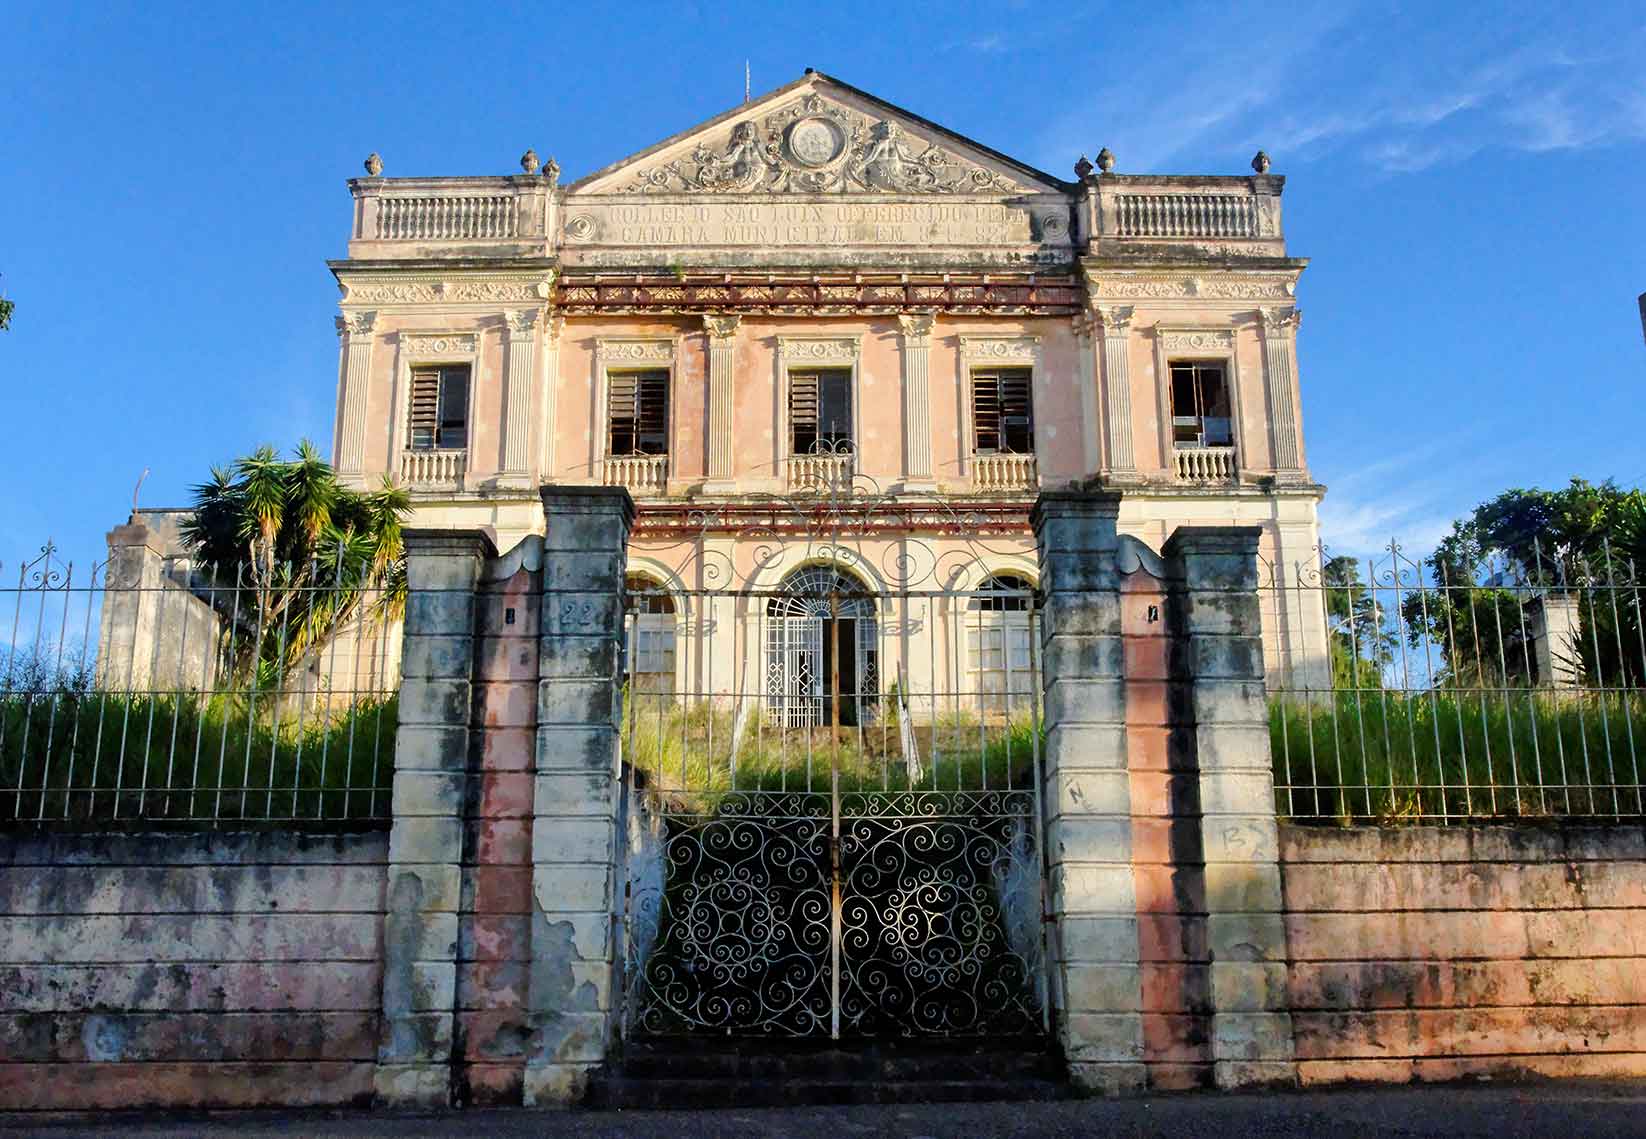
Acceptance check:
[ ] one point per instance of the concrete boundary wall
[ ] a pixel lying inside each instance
(1433, 953)
(220, 970)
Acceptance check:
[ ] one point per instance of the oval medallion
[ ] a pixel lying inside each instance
(815, 142)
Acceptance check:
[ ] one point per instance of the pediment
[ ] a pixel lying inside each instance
(818, 136)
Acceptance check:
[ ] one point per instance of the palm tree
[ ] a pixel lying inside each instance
(310, 553)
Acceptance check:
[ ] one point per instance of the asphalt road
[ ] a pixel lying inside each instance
(1496, 1111)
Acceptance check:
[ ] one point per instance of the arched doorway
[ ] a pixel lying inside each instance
(822, 642)
(1000, 629)
(649, 612)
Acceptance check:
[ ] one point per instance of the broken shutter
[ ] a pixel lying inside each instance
(803, 411)
(1003, 411)
(638, 412)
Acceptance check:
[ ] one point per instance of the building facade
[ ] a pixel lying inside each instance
(820, 295)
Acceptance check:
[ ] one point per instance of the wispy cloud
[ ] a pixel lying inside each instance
(1398, 90)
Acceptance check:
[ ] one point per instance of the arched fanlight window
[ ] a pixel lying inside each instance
(1009, 589)
(815, 610)
(642, 594)
(806, 593)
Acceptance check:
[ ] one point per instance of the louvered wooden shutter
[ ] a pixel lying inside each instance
(620, 412)
(1016, 413)
(986, 411)
(425, 408)
(637, 409)
(803, 411)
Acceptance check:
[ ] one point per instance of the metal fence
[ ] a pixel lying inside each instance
(150, 691)
(1442, 688)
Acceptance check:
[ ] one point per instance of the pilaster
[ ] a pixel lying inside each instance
(722, 331)
(1116, 323)
(521, 327)
(431, 756)
(917, 416)
(1096, 983)
(356, 328)
(546, 419)
(572, 982)
(1221, 658)
(1279, 332)
(1090, 437)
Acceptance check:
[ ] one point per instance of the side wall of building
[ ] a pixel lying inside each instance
(1432, 953)
(211, 970)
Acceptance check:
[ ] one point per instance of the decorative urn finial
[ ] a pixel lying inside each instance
(1260, 162)
(1082, 168)
(528, 161)
(551, 171)
(1105, 160)
(374, 164)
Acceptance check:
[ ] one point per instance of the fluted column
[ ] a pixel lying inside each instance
(1279, 329)
(1116, 322)
(917, 415)
(1089, 428)
(722, 330)
(551, 384)
(356, 330)
(517, 425)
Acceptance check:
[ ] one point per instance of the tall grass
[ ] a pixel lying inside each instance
(78, 756)
(1389, 757)
(688, 753)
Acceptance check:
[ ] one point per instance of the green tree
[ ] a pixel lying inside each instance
(1361, 643)
(6, 309)
(1585, 541)
(308, 553)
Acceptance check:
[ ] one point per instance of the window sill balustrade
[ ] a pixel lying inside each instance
(1004, 472)
(1204, 464)
(433, 470)
(825, 472)
(640, 474)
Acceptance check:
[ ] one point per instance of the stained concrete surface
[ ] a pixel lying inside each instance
(1593, 1110)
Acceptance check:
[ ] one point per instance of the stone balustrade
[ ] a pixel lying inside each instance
(1186, 215)
(639, 474)
(1204, 464)
(1241, 213)
(400, 217)
(422, 470)
(822, 472)
(1004, 473)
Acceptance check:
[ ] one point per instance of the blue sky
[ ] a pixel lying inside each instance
(1465, 180)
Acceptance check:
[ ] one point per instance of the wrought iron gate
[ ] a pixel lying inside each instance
(833, 817)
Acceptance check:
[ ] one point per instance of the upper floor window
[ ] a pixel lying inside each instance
(440, 408)
(1002, 411)
(1200, 405)
(820, 411)
(638, 413)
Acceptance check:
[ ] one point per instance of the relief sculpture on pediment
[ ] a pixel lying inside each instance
(814, 146)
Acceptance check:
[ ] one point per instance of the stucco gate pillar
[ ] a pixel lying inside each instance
(572, 983)
(1095, 978)
(1221, 648)
(431, 754)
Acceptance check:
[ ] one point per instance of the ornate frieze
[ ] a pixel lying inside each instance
(1161, 287)
(422, 290)
(439, 344)
(1012, 295)
(635, 351)
(1000, 349)
(817, 146)
(1195, 339)
(819, 350)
